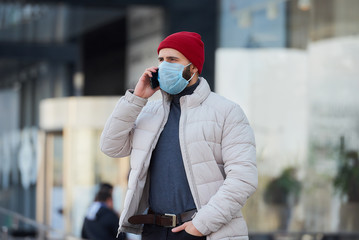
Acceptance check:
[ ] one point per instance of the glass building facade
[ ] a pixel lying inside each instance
(292, 66)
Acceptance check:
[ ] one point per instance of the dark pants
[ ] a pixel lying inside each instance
(154, 232)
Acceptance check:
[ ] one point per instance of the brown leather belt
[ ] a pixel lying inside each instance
(164, 220)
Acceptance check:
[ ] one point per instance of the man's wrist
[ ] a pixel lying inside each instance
(138, 95)
(131, 97)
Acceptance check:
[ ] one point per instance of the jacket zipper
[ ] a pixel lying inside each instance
(184, 150)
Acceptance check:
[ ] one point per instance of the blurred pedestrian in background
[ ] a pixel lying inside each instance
(101, 221)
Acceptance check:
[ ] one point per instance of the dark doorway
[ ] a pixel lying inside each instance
(104, 59)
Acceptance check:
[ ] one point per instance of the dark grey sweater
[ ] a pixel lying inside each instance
(169, 189)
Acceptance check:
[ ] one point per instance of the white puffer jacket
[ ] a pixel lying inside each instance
(218, 150)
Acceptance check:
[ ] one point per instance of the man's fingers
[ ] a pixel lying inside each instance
(149, 73)
(150, 70)
(179, 228)
(143, 88)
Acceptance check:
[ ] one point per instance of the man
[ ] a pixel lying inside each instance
(101, 220)
(192, 153)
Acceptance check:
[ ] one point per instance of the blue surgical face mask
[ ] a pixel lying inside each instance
(170, 77)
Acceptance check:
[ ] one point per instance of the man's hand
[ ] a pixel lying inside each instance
(143, 88)
(189, 228)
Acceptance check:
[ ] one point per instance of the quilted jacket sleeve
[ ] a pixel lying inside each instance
(116, 138)
(239, 158)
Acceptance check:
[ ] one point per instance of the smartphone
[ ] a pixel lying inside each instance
(154, 80)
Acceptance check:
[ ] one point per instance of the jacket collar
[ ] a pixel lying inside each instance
(196, 98)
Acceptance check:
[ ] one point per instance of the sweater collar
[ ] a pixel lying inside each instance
(187, 91)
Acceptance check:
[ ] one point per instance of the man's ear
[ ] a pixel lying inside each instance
(194, 69)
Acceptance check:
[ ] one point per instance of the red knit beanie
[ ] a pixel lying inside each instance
(187, 43)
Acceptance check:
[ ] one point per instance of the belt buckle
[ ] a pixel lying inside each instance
(174, 219)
